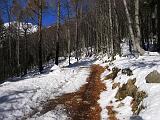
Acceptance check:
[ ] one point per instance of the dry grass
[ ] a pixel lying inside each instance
(82, 105)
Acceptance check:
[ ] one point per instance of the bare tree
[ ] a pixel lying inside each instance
(135, 38)
(58, 31)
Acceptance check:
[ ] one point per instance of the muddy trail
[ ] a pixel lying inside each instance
(82, 105)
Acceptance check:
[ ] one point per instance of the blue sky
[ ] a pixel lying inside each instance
(49, 17)
(48, 20)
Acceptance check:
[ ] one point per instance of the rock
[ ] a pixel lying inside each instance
(136, 117)
(122, 92)
(153, 77)
(112, 75)
(140, 95)
(136, 107)
(115, 85)
(127, 71)
(131, 88)
(128, 89)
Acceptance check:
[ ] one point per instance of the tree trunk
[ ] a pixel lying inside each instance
(135, 39)
(26, 52)
(17, 46)
(130, 25)
(9, 36)
(76, 36)
(69, 45)
(111, 28)
(138, 32)
(58, 37)
(158, 26)
(68, 35)
(40, 34)
(117, 37)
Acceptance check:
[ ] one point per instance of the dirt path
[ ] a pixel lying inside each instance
(82, 105)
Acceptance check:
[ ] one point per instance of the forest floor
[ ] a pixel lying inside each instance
(95, 88)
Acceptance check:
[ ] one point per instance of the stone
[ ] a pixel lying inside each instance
(112, 75)
(131, 88)
(128, 89)
(115, 85)
(122, 92)
(127, 71)
(153, 77)
(136, 117)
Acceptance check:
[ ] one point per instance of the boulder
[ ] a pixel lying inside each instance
(112, 75)
(115, 85)
(136, 117)
(153, 77)
(127, 71)
(131, 88)
(128, 89)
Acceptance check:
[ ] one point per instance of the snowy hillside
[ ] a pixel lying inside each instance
(22, 26)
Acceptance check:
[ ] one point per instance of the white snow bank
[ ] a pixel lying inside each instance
(19, 99)
(141, 67)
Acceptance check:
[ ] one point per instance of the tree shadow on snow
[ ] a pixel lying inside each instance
(141, 64)
(14, 96)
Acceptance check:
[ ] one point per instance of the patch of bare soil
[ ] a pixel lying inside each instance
(82, 105)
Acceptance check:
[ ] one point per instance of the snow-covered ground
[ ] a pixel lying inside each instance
(141, 67)
(24, 97)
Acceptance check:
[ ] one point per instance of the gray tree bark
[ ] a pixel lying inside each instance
(138, 32)
(135, 38)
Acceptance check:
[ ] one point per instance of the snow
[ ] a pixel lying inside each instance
(107, 98)
(141, 67)
(58, 113)
(23, 97)
(55, 67)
